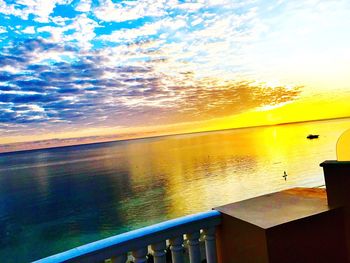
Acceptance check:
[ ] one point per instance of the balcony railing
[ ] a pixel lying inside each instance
(152, 239)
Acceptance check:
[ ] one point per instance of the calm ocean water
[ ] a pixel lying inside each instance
(56, 199)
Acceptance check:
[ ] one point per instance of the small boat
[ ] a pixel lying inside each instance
(312, 136)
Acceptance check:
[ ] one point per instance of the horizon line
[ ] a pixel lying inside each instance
(154, 136)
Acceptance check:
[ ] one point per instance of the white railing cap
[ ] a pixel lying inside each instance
(123, 238)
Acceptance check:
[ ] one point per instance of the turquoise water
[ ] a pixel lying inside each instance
(55, 199)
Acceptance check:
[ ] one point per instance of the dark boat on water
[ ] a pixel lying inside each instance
(312, 136)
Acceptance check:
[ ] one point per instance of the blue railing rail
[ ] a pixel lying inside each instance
(131, 241)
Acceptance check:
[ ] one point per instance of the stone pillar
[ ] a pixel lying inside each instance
(337, 178)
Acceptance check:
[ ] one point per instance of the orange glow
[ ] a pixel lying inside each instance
(240, 157)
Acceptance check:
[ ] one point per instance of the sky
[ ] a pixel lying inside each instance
(81, 71)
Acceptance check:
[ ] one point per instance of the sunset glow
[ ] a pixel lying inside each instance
(99, 70)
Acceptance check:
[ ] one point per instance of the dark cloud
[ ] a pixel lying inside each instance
(50, 75)
(19, 115)
(10, 60)
(21, 108)
(27, 46)
(32, 85)
(87, 92)
(7, 117)
(38, 68)
(25, 98)
(6, 88)
(4, 76)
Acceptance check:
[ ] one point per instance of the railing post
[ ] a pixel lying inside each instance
(177, 249)
(159, 252)
(210, 245)
(140, 255)
(119, 259)
(193, 246)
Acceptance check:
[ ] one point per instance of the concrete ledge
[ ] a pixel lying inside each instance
(295, 225)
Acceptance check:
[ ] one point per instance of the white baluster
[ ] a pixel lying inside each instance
(140, 255)
(177, 249)
(119, 259)
(210, 245)
(159, 252)
(193, 246)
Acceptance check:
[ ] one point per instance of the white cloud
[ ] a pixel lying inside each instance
(84, 6)
(197, 21)
(3, 30)
(55, 32)
(214, 49)
(58, 20)
(129, 10)
(11, 69)
(8, 9)
(34, 107)
(84, 31)
(53, 55)
(82, 26)
(29, 30)
(192, 7)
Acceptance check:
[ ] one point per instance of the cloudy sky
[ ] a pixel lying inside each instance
(77, 68)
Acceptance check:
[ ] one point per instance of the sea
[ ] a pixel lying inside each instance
(56, 199)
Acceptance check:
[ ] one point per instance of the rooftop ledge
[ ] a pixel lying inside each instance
(335, 162)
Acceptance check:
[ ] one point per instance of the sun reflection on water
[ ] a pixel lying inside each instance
(70, 196)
